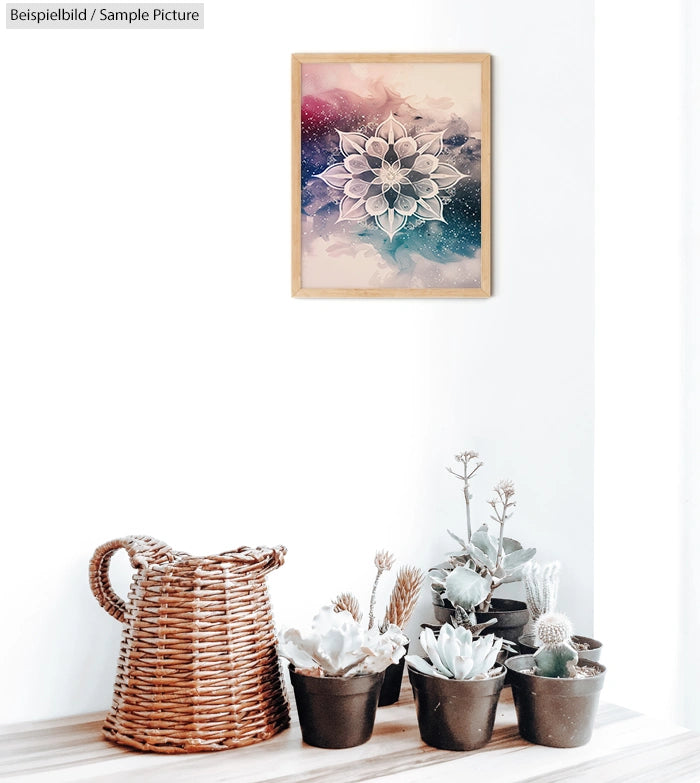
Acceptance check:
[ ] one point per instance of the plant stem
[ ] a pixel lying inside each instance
(504, 493)
(465, 458)
(502, 522)
(373, 599)
(466, 500)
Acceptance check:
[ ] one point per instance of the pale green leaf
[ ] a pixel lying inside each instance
(483, 540)
(518, 558)
(466, 588)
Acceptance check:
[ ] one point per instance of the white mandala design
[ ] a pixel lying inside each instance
(391, 176)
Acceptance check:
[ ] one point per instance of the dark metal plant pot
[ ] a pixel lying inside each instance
(455, 714)
(527, 646)
(512, 617)
(391, 686)
(558, 712)
(443, 610)
(336, 712)
(443, 613)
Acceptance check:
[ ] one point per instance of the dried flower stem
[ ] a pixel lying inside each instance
(383, 561)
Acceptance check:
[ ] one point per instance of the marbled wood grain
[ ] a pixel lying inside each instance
(625, 747)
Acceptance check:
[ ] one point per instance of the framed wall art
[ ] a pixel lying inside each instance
(391, 181)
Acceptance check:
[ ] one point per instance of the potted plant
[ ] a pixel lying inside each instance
(462, 619)
(402, 602)
(541, 591)
(336, 671)
(471, 575)
(456, 688)
(555, 693)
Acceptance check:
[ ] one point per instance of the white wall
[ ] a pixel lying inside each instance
(159, 378)
(690, 510)
(647, 356)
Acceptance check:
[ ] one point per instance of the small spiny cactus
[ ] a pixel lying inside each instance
(541, 588)
(556, 656)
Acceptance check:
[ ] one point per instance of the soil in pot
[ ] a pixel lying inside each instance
(558, 712)
(455, 714)
(336, 712)
(391, 686)
(586, 647)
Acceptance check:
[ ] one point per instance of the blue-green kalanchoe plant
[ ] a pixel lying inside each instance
(556, 656)
(485, 561)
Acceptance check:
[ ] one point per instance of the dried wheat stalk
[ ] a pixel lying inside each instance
(348, 603)
(403, 597)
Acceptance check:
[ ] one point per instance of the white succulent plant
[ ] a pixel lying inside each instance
(456, 654)
(338, 646)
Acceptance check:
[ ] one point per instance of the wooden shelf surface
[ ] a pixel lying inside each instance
(626, 746)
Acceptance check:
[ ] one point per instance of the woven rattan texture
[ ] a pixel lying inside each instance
(198, 668)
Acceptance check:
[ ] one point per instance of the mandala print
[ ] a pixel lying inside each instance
(391, 176)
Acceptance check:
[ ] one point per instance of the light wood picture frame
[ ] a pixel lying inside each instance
(391, 175)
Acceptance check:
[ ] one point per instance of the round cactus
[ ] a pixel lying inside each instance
(552, 629)
(555, 655)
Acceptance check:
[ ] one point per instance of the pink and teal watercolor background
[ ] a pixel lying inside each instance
(357, 98)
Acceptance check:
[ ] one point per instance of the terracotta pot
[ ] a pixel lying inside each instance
(391, 686)
(558, 712)
(527, 646)
(336, 712)
(455, 714)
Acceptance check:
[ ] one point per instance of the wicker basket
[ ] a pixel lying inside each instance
(198, 669)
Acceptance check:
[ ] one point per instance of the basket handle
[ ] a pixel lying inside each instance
(143, 551)
(273, 558)
(261, 559)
